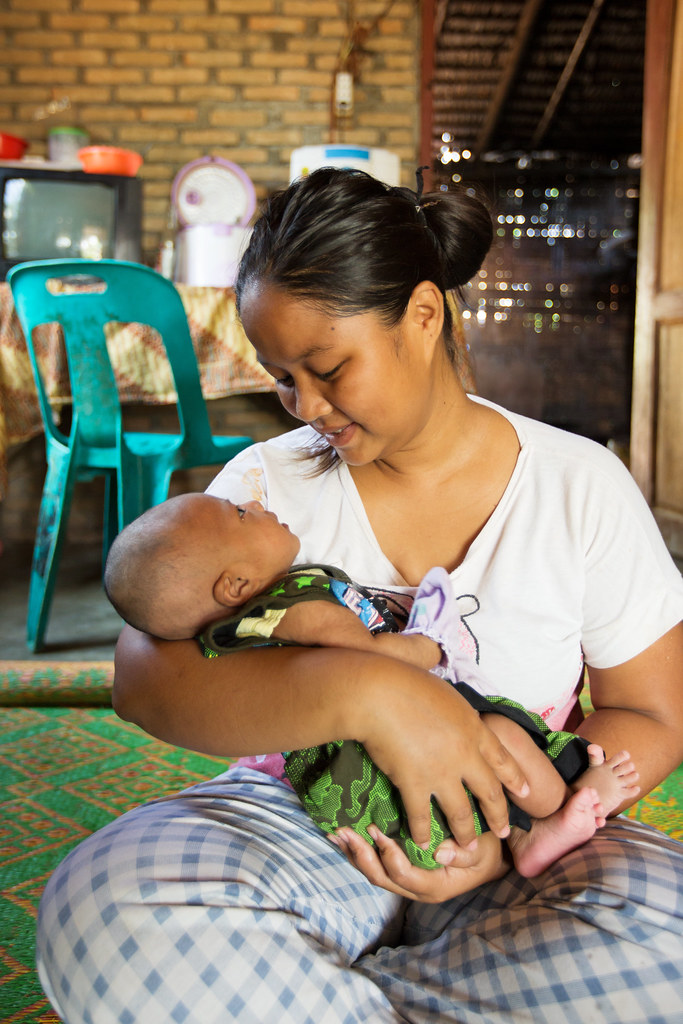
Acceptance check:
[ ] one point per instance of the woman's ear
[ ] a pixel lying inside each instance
(232, 591)
(425, 313)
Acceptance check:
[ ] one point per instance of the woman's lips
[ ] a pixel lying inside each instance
(340, 437)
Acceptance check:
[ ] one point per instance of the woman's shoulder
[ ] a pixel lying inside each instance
(542, 443)
(273, 470)
(273, 455)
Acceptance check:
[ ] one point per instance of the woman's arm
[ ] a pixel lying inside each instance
(415, 727)
(639, 706)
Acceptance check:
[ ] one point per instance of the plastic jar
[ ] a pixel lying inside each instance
(63, 144)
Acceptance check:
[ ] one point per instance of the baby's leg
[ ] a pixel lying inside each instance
(571, 826)
(548, 790)
(601, 789)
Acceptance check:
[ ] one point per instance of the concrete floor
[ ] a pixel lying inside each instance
(82, 625)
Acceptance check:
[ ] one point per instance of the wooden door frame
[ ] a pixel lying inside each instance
(658, 304)
(659, 30)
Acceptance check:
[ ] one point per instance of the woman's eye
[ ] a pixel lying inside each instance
(284, 382)
(330, 373)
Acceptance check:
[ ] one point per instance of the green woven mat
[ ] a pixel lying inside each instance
(68, 683)
(65, 772)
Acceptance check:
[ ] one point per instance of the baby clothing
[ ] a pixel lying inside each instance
(254, 622)
(337, 782)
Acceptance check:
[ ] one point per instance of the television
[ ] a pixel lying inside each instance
(51, 213)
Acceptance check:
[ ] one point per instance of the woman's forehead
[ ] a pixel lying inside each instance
(292, 328)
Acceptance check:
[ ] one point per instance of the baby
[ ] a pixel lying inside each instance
(201, 566)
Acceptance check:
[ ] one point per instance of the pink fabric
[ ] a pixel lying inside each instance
(269, 764)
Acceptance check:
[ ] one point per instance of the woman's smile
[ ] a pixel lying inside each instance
(338, 437)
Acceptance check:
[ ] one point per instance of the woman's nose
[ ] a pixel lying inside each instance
(309, 403)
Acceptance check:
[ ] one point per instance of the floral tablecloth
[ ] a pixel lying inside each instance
(227, 363)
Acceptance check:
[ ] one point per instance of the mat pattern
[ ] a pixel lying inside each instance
(68, 683)
(65, 770)
(69, 765)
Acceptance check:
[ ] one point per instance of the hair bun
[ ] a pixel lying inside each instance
(462, 225)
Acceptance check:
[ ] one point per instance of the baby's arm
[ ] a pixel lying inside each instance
(323, 624)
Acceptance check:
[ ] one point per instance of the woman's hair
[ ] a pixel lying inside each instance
(349, 244)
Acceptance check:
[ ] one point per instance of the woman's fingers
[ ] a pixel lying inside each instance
(387, 866)
(485, 775)
(507, 770)
(497, 768)
(366, 859)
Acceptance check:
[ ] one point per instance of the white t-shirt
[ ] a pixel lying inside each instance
(571, 564)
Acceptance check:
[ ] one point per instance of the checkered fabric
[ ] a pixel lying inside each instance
(226, 903)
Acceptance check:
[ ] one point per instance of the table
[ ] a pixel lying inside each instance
(227, 363)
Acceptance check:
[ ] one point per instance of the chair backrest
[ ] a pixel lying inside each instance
(122, 292)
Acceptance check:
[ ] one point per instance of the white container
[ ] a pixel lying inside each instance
(208, 255)
(380, 163)
(64, 143)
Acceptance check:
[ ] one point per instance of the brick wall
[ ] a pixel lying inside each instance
(248, 80)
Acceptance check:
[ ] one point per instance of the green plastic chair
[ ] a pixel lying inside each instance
(137, 466)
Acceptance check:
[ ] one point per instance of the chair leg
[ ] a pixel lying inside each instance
(52, 521)
(110, 520)
(141, 484)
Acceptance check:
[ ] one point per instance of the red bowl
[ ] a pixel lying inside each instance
(12, 147)
(110, 160)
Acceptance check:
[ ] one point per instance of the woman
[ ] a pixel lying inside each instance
(225, 902)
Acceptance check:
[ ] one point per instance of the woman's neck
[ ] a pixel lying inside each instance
(455, 475)
(451, 435)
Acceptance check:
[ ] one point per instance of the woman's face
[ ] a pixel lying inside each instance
(364, 388)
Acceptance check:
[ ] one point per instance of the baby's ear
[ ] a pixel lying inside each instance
(233, 591)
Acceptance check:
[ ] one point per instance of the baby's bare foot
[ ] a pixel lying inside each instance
(615, 779)
(551, 837)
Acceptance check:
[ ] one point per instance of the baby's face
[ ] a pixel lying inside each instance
(218, 536)
(256, 538)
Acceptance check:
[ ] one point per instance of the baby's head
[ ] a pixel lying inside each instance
(192, 560)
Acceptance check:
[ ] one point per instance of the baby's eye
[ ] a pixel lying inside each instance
(241, 512)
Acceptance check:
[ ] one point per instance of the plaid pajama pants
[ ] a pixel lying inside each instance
(226, 903)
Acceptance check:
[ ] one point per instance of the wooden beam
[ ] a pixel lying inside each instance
(658, 61)
(527, 19)
(667, 307)
(426, 84)
(439, 16)
(567, 72)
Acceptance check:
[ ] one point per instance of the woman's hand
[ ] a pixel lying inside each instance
(387, 866)
(431, 743)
